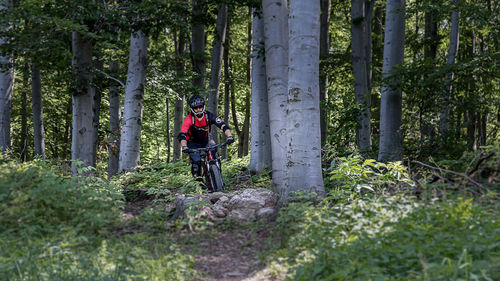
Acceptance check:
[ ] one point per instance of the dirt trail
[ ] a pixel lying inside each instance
(221, 253)
(231, 255)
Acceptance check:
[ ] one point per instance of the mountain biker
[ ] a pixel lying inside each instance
(195, 131)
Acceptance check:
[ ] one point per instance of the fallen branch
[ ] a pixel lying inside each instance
(479, 163)
(451, 172)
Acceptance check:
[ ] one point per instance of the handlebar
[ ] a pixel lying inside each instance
(208, 147)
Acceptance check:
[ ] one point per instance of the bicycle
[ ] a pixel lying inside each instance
(211, 166)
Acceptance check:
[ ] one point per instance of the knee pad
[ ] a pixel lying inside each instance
(196, 169)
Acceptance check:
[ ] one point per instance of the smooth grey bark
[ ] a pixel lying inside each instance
(130, 142)
(180, 51)
(96, 109)
(391, 145)
(6, 89)
(114, 122)
(369, 6)
(324, 47)
(260, 155)
(359, 65)
(198, 44)
(444, 117)
(276, 43)
(245, 136)
(167, 122)
(303, 119)
(23, 142)
(227, 94)
(215, 67)
(83, 101)
(37, 110)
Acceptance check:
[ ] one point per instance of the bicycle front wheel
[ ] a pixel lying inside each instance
(218, 184)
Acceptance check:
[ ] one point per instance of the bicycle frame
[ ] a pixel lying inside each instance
(211, 167)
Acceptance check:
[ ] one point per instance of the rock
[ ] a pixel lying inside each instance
(254, 199)
(219, 211)
(247, 206)
(223, 201)
(206, 212)
(266, 214)
(214, 197)
(242, 215)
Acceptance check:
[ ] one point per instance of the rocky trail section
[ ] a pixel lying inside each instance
(243, 224)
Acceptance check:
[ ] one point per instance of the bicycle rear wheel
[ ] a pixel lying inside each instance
(218, 184)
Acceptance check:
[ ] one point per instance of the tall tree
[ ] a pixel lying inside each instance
(37, 109)
(260, 156)
(303, 118)
(360, 72)
(444, 118)
(83, 101)
(96, 109)
(431, 33)
(227, 93)
(276, 50)
(6, 87)
(324, 47)
(216, 66)
(391, 143)
(243, 140)
(114, 122)
(198, 43)
(134, 99)
(368, 15)
(180, 50)
(23, 142)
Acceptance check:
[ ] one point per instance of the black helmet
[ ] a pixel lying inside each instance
(196, 101)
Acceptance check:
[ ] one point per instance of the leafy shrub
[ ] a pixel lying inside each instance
(79, 258)
(350, 175)
(396, 239)
(162, 180)
(35, 200)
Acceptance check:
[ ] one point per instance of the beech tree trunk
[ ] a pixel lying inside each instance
(198, 44)
(360, 68)
(430, 34)
(96, 109)
(216, 66)
(276, 42)
(83, 101)
(369, 6)
(391, 143)
(23, 142)
(114, 122)
(6, 89)
(134, 97)
(324, 47)
(179, 99)
(260, 156)
(303, 119)
(444, 118)
(37, 109)
(227, 94)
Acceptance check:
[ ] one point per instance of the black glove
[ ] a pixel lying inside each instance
(230, 140)
(186, 149)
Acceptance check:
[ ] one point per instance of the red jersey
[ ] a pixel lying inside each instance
(194, 130)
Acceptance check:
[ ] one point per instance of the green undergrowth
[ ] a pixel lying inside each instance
(372, 226)
(392, 238)
(56, 228)
(164, 180)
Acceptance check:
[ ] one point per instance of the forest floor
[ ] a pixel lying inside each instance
(224, 252)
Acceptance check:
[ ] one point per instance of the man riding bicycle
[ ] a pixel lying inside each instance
(195, 131)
